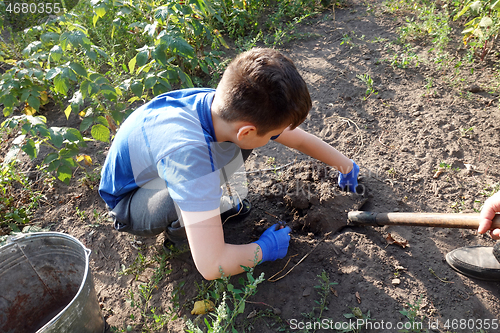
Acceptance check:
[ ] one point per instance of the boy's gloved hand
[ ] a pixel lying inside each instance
(350, 180)
(274, 243)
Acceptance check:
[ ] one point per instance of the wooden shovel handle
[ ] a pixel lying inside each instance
(439, 220)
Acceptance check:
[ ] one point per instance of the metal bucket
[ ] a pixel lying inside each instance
(46, 286)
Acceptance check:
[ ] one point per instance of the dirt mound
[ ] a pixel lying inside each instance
(312, 197)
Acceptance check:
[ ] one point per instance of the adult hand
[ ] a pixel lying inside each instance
(490, 208)
(274, 243)
(349, 181)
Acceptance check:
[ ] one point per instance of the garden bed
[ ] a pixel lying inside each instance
(415, 120)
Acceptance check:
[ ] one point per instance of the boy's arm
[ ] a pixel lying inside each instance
(316, 148)
(209, 251)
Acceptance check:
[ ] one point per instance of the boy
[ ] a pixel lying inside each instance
(163, 170)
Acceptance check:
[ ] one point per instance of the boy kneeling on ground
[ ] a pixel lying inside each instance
(164, 167)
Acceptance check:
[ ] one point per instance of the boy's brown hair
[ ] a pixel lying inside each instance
(263, 87)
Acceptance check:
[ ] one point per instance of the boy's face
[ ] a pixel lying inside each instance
(248, 138)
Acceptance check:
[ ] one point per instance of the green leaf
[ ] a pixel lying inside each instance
(241, 307)
(496, 6)
(142, 58)
(91, 54)
(160, 88)
(54, 165)
(204, 66)
(79, 69)
(56, 136)
(7, 111)
(31, 48)
(50, 157)
(69, 162)
(69, 152)
(64, 174)
(137, 88)
(149, 82)
(160, 55)
(85, 88)
(49, 37)
(102, 120)
(100, 132)
(73, 135)
(52, 73)
(185, 79)
(30, 148)
(162, 13)
(100, 51)
(34, 102)
(85, 124)
(9, 101)
(75, 38)
(61, 85)
(56, 53)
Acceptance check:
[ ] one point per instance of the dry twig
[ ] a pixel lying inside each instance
(301, 260)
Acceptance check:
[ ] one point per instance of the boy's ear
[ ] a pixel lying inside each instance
(246, 130)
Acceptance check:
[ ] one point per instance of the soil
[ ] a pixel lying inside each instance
(398, 137)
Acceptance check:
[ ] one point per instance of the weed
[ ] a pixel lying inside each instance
(152, 318)
(91, 179)
(467, 132)
(415, 321)
(231, 301)
(81, 214)
(367, 79)
(428, 85)
(96, 218)
(347, 40)
(445, 165)
(489, 190)
(405, 58)
(18, 198)
(428, 21)
(392, 172)
(357, 320)
(271, 161)
(138, 266)
(323, 292)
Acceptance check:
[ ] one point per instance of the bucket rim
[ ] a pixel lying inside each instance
(23, 237)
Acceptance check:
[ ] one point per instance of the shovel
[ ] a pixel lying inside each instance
(438, 220)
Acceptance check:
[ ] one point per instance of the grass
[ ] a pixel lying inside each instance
(150, 318)
(19, 198)
(368, 81)
(230, 301)
(415, 320)
(324, 291)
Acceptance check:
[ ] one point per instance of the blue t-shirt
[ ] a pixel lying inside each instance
(171, 137)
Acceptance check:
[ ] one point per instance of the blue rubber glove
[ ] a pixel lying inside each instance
(274, 243)
(350, 180)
